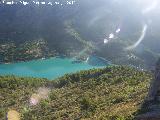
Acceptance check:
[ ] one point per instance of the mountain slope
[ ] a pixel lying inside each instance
(89, 24)
(111, 93)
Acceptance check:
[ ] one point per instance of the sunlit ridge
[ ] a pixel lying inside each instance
(140, 39)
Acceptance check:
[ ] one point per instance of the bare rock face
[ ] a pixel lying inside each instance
(149, 116)
(154, 91)
(152, 104)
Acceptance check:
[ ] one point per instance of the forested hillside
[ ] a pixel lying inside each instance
(78, 30)
(112, 93)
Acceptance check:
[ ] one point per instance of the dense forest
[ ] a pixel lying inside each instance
(112, 93)
(77, 30)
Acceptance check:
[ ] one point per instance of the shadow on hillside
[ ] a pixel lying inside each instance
(150, 108)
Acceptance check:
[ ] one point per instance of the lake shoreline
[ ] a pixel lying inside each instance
(40, 58)
(50, 68)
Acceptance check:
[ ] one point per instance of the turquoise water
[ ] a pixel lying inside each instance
(49, 68)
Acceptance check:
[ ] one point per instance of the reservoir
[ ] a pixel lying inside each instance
(50, 68)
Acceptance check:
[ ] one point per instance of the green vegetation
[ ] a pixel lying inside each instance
(9, 52)
(112, 93)
(77, 31)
